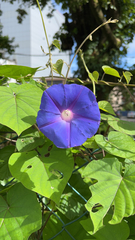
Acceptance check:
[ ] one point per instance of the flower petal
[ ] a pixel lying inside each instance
(47, 118)
(86, 105)
(72, 93)
(64, 95)
(47, 104)
(57, 94)
(58, 133)
(88, 111)
(81, 129)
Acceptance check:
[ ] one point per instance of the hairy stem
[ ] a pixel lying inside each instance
(50, 55)
(87, 70)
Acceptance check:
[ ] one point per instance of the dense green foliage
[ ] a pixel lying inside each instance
(42, 188)
(85, 192)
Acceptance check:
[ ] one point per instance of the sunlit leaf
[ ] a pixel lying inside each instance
(19, 105)
(16, 71)
(20, 214)
(90, 143)
(127, 76)
(92, 77)
(105, 116)
(122, 126)
(110, 71)
(56, 43)
(58, 66)
(96, 76)
(118, 144)
(106, 106)
(29, 140)
(112, 189)
(46, 174)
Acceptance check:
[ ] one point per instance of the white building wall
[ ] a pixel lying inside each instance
(21, 32)
(30, 36)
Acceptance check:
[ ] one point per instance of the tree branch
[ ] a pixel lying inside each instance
(99, 16)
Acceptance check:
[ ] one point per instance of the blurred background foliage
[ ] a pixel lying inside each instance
(108, 45)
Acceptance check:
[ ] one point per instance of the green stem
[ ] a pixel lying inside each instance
(111, 84)
(94, 88)
(42, 83)
(36, 127)
(87, 70)
(50, 55)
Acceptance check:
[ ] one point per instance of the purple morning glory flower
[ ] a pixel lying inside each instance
(69, 115)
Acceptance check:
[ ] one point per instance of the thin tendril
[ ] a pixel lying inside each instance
(109, 21)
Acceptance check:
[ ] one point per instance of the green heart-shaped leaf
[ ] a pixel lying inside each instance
(20, 214)
(106, 106)
(16, 71)
(118, 144)
(110, 71)
(113, 188)
(47, 174)
(19, 105)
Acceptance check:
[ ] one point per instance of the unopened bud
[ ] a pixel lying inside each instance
(114, 21)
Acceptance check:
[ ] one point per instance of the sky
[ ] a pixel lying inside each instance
(129, 59)
(131, 54)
